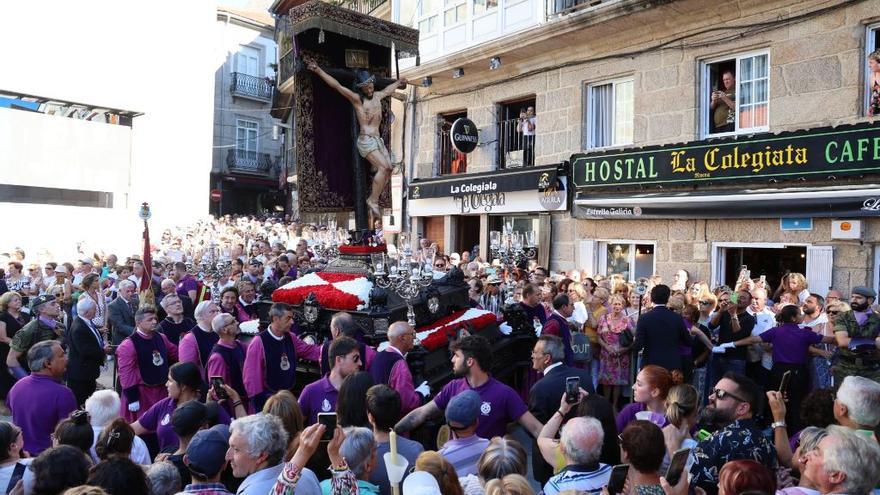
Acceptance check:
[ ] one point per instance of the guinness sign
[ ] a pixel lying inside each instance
(464, 135)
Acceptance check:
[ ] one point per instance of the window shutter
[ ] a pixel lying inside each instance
(585, 258)
(819, 262)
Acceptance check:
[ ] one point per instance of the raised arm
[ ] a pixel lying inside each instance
(388, 90)
(332, 82)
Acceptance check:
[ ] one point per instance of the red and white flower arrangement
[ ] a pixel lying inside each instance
(438, 333)
(344, 291)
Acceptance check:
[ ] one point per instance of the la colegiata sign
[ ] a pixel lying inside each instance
(814, 153)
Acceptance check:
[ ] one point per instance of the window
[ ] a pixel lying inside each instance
(246, 133)
(631, 260)
(610, 114)
(454, 12)
(247, 61)
(737, 94)
(517, 124)
(872, 79)
(427, 13)
(481, 6)
(452, 161)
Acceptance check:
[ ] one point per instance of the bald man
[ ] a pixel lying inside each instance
(343, 325)
(390, 367)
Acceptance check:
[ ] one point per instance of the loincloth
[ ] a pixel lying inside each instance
(366, 144)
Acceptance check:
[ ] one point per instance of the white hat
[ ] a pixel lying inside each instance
(420, 483)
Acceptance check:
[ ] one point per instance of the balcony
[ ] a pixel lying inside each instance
(562, 7)
(253, 87)
(514, 148)
(250, 162)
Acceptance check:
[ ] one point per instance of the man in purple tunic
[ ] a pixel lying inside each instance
(320, 396)
(390, 367)
(500, 404)
(39, 401)
(195, 346)
(144, 358)
(531, 303)
(270, 364)
(342, 324)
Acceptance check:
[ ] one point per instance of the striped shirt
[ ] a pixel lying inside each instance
(463, 453)
(588, 478)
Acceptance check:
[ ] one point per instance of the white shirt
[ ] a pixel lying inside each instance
(548, 368)
(525, 126)
(765, 320)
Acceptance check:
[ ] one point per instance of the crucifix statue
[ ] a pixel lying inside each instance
(368, 108)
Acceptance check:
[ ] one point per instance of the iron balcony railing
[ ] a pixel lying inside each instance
(250, 161)
(562, 7)
(259, 88)
(452, 161)
(515, 149)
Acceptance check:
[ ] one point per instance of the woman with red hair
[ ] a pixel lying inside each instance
(746, 475)
(649, 395)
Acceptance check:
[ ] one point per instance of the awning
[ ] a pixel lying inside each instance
(318, 14)
(835, 201)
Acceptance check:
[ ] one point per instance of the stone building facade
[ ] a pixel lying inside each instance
(806, 67)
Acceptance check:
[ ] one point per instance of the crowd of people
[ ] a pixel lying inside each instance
(634, 387)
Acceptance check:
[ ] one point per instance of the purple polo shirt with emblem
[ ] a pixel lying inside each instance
(318, 397)
(791, 343)
(500, 405)
(187, 284)
(158, 419)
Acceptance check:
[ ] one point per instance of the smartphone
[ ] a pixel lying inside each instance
(219, 391)
(617, 478)
(329, 422)
(572, 389)
(783, 385)
(676, 466)
(734, 298)
(764, 279)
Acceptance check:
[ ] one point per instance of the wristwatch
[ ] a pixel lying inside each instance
(777, 424)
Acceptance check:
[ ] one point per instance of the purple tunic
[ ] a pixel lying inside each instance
(195, 347)
(130, 376)
(791, 343)
(38, 403)
(255, 379)
(317, 397)
(501, 405)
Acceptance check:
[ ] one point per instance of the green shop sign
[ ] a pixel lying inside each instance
(815, 153)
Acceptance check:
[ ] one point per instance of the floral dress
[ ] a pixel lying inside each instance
(613, 370)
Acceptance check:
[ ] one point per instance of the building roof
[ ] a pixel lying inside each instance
(257, 16)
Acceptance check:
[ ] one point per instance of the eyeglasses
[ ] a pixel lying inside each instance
(721, 394)
(705, 303)
(832, 312)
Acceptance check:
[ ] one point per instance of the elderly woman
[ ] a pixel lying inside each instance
(91, 284)
(16, 281)
(358, 450)
(175, 323)
(227, 359)
(577, 294)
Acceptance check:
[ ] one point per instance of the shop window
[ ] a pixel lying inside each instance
(610, 114)
(452, 161)
(516, 133)
(454, 12)
(481, 6)
(872, 74)
(736, 95)
(630, 259)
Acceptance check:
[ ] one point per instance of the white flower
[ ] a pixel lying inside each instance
(305, 281)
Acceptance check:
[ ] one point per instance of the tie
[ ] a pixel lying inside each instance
(97, 333)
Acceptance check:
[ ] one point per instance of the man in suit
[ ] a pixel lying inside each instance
(121, 312)
(660, 332)
(548, 357)
(87, 351)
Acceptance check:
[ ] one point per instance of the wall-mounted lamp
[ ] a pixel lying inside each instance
(494, 63)
(459, 72)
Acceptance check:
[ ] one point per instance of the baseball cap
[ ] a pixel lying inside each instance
(206, 453)
(464, 408)
(420, 483)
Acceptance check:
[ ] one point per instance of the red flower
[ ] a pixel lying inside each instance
(443, 329)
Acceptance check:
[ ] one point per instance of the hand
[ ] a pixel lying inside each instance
(777, 405)
(230, 392)
(673, 437)
(309, 439)
(424, 389)
(680, 488)
(108, 349)
(719, 349)
(134, 406)
(162, 456)
(310, 64)
(333, 447)
(565, 407)
(18, 489)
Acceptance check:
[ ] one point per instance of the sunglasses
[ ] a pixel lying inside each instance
(832, 312)
(721, 394)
